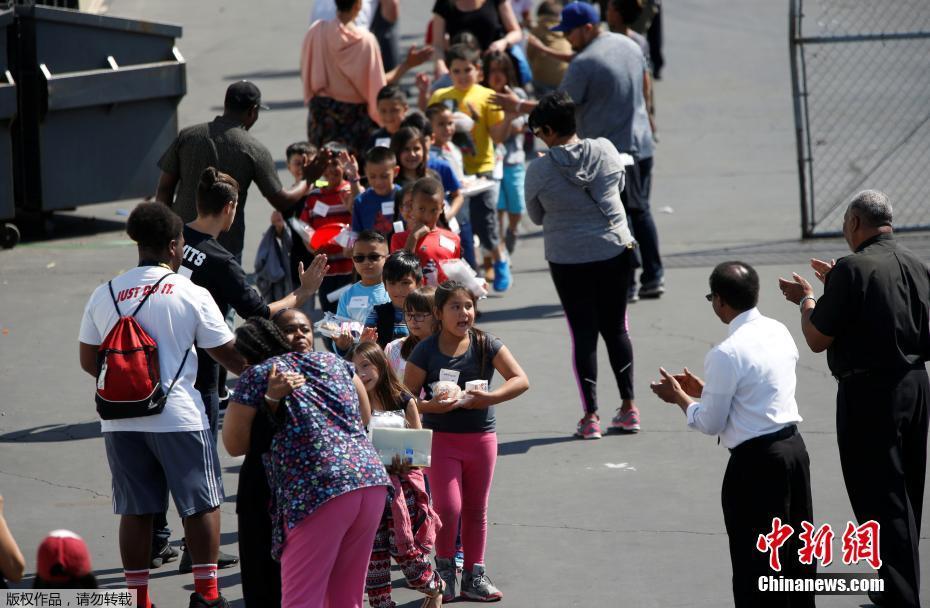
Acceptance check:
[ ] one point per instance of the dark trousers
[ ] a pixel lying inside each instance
(260, 574)
(766, 479)
(881, 425)
(161, 533)
(635, 196)
(593, 296)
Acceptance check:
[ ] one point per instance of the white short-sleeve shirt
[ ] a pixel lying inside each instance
(176, 316)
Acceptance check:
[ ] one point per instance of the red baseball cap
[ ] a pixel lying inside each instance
(63, 555)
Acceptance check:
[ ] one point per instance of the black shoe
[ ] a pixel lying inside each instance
(163, 555)
(186, 566)
(197, 601)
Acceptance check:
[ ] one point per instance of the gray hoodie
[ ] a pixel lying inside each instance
(573, 192)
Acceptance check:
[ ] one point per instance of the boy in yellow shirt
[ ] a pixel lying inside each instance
(490, 129)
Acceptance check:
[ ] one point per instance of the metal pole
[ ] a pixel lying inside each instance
(794, 13)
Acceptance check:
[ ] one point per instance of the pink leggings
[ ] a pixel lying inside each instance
(460, 481)
(325, 557)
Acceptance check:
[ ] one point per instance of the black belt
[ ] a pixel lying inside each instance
(765, 440)
(850, 373)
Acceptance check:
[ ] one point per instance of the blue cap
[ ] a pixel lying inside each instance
(575, 15)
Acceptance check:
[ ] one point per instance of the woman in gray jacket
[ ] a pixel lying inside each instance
(573, 191)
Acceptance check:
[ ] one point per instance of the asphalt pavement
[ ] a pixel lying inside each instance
(624, 521)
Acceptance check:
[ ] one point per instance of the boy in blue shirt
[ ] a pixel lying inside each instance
(374, 208)
(368, 255)
(402, 274)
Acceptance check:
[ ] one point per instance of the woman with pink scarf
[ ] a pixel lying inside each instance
(342, 72)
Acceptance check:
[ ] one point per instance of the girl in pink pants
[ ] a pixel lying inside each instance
(464, 437)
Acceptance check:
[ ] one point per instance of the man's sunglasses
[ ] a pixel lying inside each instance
(709, 297)
(371, 257)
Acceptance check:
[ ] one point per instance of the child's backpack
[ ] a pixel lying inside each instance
(128, 378)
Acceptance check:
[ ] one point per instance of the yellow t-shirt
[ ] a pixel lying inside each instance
(477, 99)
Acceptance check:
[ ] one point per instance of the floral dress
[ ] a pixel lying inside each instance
(319, 450)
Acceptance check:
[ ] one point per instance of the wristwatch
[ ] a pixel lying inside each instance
(801, 303)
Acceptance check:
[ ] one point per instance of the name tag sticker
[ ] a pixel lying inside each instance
(398, 226)
(447, 243)
(449, 375)
(320, 208)
(358, 302)
(384, 142)
(387, 208)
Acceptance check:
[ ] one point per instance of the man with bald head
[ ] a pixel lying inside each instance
(747, 400)
(872, 320)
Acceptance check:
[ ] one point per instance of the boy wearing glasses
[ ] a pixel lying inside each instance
(368, 255)
(386, 322)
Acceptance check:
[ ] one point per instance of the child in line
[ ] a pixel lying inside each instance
(421, 324)
(368, 255)
(411, 147)
(500, 74)
(464, 449)
(374, 208)
(407, 530)
(297, 154)
(401, 276)
(424, 237)
(442, 127)
(489, 129)
(328, 205)
(392, 108)
(403, 211)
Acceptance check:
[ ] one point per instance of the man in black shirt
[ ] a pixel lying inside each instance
(208, 264)
(225, 143)
(873, 322)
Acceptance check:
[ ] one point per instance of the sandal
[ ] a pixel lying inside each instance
(435, 600)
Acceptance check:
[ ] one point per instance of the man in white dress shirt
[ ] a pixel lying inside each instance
(747, 400)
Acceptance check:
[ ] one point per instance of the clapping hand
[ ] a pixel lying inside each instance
(349, 166)
(690, 384)
(796, 289)
(669, 390)
(821, 268)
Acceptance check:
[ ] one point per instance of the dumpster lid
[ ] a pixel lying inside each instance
(63, 15)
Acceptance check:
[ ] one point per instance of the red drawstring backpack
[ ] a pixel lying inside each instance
(128, 378)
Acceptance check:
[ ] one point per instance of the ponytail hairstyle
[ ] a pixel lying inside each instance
(389, 390)
(215, 190)
(258, 339)
(445, 291)
(419, 300)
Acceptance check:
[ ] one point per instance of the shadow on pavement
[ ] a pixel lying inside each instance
(539, 311)
(523, 446)
(53, 433)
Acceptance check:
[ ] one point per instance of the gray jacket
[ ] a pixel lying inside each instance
(573, 192)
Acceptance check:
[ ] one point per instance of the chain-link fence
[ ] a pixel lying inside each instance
(861, 84)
